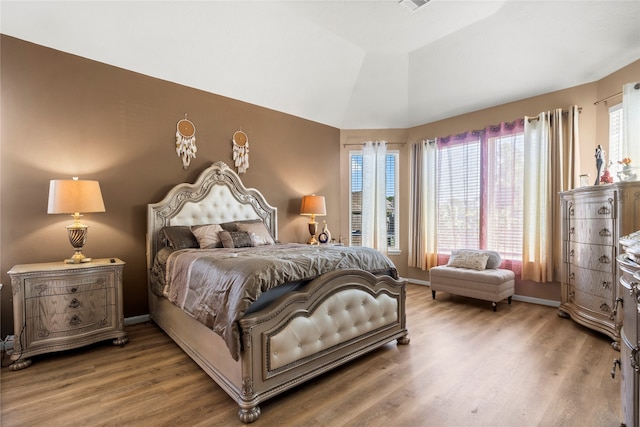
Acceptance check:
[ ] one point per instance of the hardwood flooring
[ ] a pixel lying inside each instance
(465, 366)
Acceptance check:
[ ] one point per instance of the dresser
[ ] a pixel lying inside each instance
(593, 220)
(58, 306)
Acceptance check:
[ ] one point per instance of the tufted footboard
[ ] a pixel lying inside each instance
(340, 316)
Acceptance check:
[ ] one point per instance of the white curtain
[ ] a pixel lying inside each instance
(631, 122)
(374, 202)
(422, 206)
(551, 151)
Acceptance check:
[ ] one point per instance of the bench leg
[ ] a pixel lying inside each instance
(433, 294)
(495, 305)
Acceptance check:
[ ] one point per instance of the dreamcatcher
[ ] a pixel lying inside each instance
(241, 151)
(186, 141)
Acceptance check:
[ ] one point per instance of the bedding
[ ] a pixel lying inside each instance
(217, 286)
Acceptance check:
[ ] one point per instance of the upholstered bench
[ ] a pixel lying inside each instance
(474, 274)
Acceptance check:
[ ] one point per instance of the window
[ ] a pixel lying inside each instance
(480, 193)
(355, 158)
(615, 138)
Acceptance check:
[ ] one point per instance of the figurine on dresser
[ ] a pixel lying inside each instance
(599, 163)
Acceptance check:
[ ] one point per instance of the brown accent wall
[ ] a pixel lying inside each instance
(594, 129)
(63, 116)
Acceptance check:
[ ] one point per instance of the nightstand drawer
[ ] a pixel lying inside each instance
(61, 325)
(53, 284)
(70, 303)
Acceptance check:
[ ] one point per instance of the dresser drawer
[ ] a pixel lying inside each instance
(597, 283)
(595, 231)
(591, 208)
(594, 306)
(593, 257)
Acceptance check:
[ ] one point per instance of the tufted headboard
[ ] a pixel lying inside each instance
(217, 196)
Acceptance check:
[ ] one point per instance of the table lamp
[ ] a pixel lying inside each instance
(313, 205)
(74, 196)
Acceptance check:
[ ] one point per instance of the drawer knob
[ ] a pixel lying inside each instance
(606, 284)
(605, 233)
(74, 321)
(572, 275)
(571, 252)
(604, 259)
(604, 210)
(74, 303)
(74, 289)
(572, 230)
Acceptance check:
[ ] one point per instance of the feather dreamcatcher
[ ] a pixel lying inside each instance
(186, 141)
(241, 151)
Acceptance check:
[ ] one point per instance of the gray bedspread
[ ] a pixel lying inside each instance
(217, 286)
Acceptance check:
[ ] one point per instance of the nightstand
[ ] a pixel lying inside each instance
(58, 306)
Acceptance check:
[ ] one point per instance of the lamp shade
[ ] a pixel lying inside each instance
(313, 205)
(74, 196)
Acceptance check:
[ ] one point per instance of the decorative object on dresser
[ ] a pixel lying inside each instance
(59, 306)
(186, 141)
(311, 206)
(593, 220)
(629, 361)
(74, 196)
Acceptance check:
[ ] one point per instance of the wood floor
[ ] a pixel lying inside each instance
(465, 366)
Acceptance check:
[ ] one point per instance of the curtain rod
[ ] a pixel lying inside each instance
(608, 98)
(635, 86)
(362, 143)
(532, 119)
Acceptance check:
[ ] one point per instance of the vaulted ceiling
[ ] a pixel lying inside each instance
(347, 64)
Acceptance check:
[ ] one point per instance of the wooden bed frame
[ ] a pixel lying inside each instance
(271, 360)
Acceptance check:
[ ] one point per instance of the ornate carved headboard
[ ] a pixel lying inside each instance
(217, 196)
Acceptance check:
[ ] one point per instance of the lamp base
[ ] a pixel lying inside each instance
(77, 259)
(313, 229)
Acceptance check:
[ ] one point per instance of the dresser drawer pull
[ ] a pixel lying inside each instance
(571, 252)
(619, 301)
(74, 289)
(606, 284)
(74, 321)
(604, 259)
(605, 233)
(74, 303)
(634, 359)
(604, 210)
(572, 230)
(572, 276)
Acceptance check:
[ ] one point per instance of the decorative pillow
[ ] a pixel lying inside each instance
(494, 260)
(180, 237)
(233, 225)
(207, 235)
(235, 239)
(258, 232)
(476, 260)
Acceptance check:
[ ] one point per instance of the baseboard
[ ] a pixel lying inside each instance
(418, 282)
(540, 301)
(136, 319)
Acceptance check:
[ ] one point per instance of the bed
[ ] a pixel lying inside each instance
(306, 328)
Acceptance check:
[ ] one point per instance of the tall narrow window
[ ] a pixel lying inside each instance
(391, 194)
(616, 135)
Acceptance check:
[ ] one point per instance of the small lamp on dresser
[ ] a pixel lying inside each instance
(313, 205)
(74, 196)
